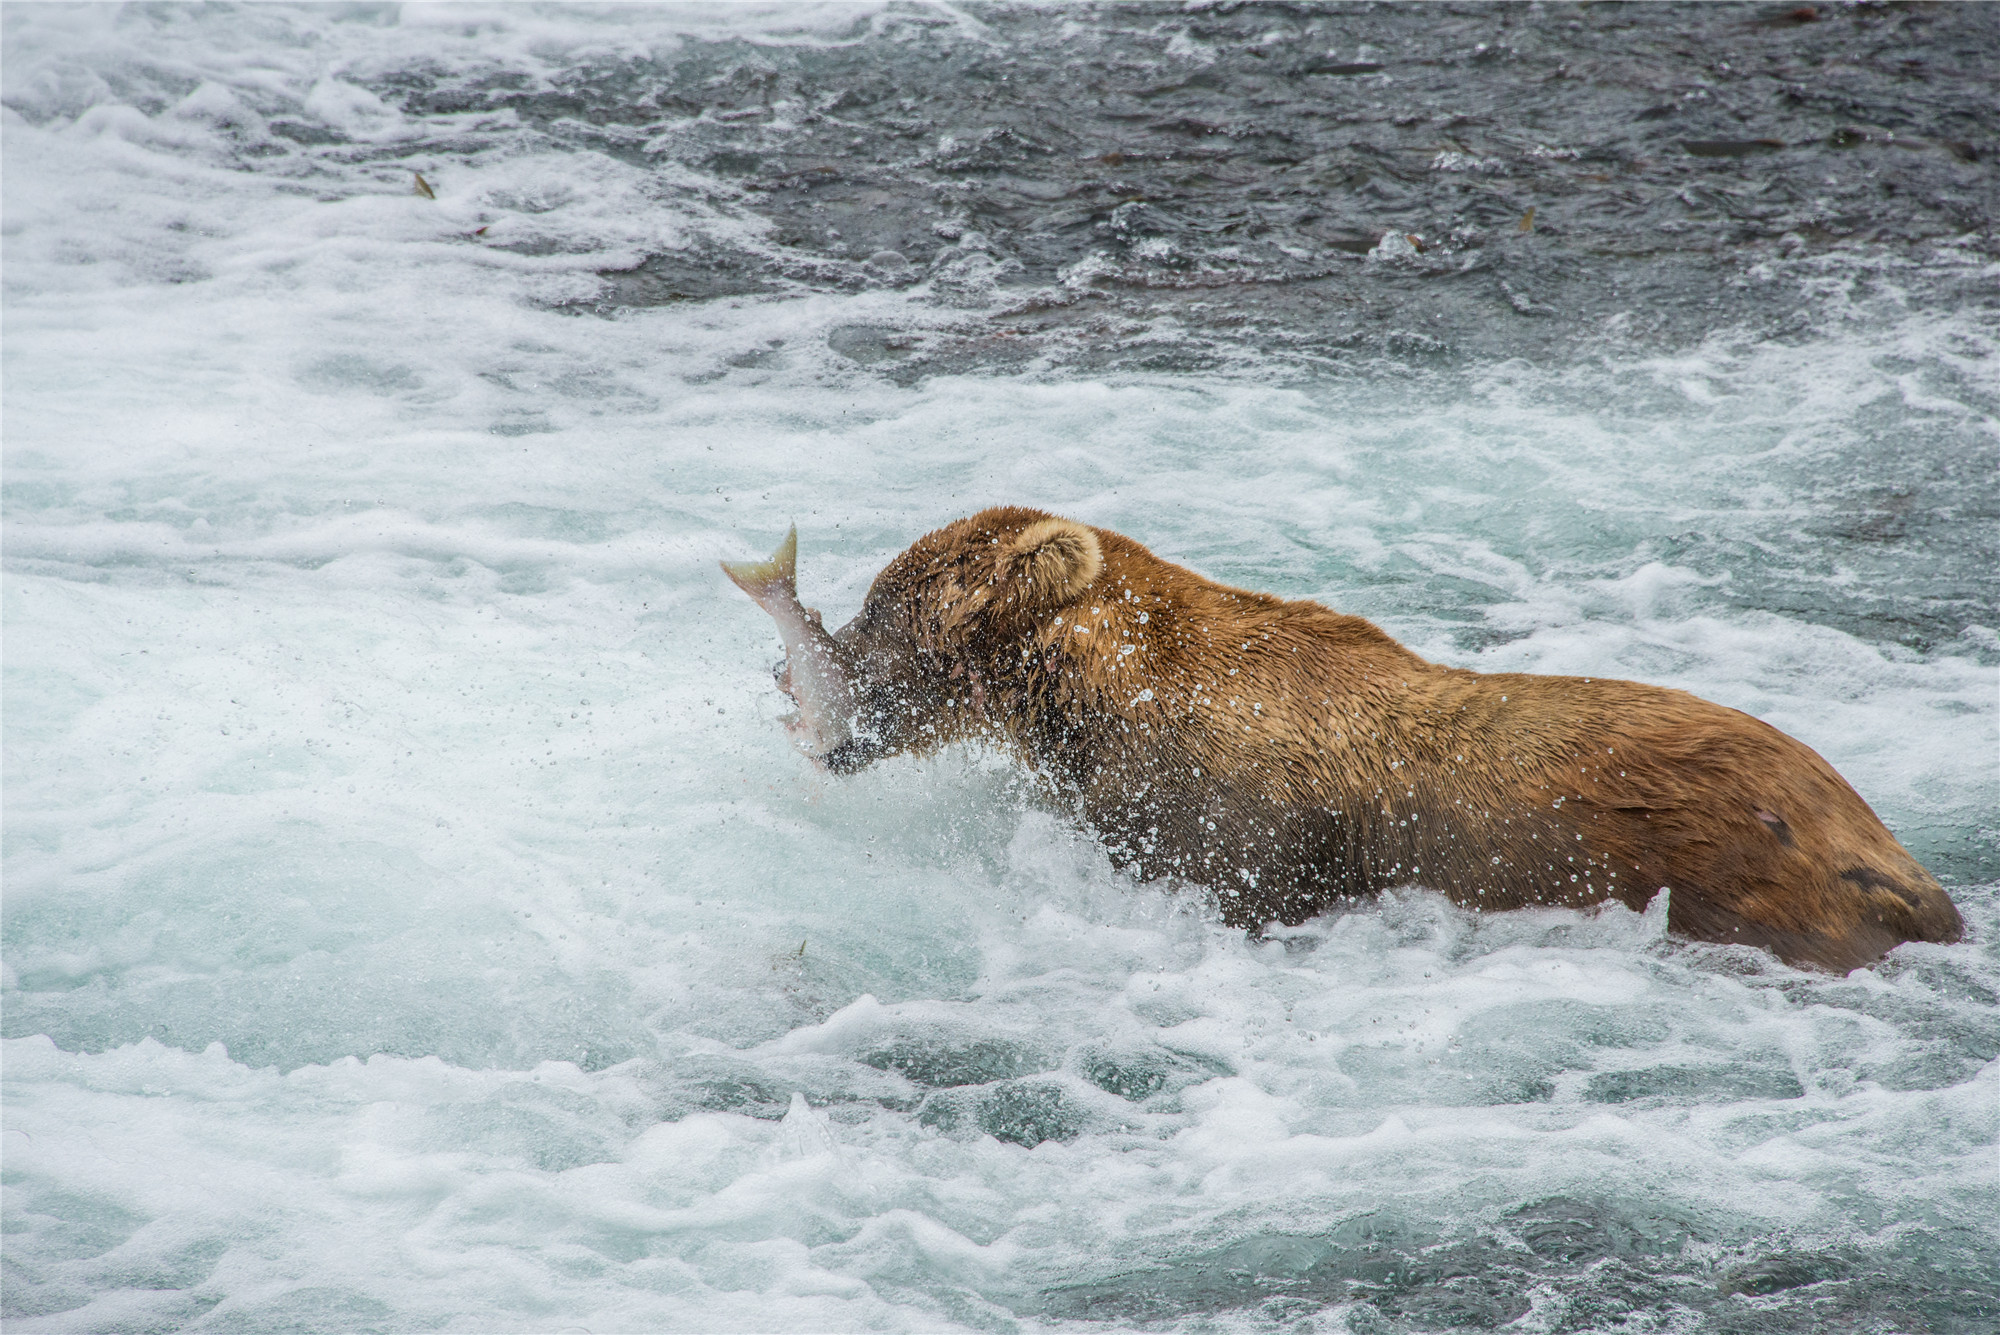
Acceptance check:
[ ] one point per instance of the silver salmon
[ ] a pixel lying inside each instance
(815, 673)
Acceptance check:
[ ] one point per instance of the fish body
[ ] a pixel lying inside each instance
(815, 673)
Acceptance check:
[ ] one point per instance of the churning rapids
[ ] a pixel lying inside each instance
(416, 918)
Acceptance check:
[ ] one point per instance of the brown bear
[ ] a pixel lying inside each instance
(1287, 756)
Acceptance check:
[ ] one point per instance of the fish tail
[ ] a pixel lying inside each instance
(778, 575)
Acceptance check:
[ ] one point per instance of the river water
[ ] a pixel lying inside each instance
(415, 919)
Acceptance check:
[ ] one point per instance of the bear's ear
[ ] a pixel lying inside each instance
(1050, 562)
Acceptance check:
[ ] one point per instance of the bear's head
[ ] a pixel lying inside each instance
(956, 619)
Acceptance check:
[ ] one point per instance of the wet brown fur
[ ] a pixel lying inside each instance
(1289, 756)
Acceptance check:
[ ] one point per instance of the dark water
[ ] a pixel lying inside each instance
(1228, 167)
